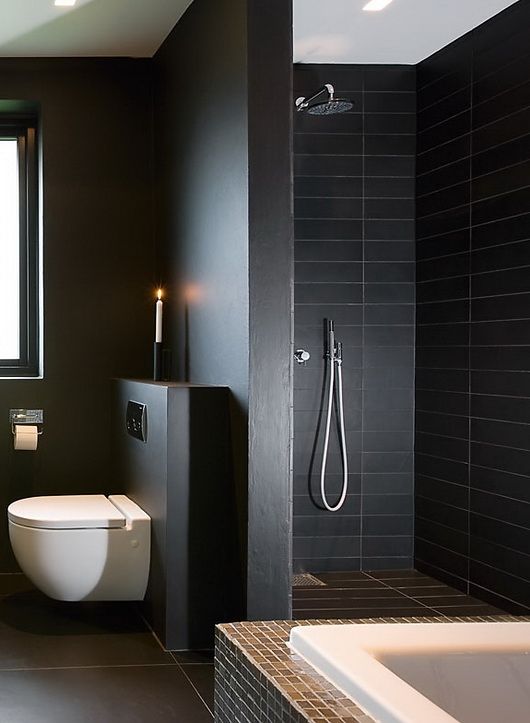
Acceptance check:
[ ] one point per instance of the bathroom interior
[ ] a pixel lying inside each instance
(264, 341)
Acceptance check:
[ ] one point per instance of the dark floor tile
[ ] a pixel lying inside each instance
(14, 582)
(358, 613)
(329, 592)
(134, 694)
(193, 657)
(433, 594)
(427, 583)
(37, 632)
(202, 679)
(467, 610)
(395, 574)
(332, 577)
(457, 600)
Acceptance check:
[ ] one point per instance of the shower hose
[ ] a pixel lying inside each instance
(335, 379)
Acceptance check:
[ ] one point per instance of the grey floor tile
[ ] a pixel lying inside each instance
(36, 632)
(202, 679)
(137, 694)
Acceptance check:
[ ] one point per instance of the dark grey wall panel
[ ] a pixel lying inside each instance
(182, 477)
(473, 360)
(95, 127)
(354, 263)
(224, 212)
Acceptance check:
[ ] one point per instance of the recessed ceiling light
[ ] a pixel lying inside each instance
(65, 3)
(374, 5)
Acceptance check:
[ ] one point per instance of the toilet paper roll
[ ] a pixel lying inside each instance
(26, 437)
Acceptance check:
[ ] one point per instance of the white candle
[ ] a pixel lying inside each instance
(158, 322)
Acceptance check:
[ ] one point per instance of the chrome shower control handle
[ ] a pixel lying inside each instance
(302, 356)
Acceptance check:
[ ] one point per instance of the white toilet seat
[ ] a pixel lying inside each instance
(82, 547)
(66, 512)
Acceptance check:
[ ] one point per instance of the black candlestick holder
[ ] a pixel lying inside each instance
(157, 361)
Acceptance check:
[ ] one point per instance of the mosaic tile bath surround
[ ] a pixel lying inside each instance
(259, 680)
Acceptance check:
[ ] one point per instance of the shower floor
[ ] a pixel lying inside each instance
(395, 593)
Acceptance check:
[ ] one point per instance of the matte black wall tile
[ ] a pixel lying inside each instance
(389, 123)
(442, 334)
(444, 177)
(387, 504)
(510, 203)
(493, 530)
(394, 208)
(446, 537)
(441, 155)
(501, 257)
(389, 187)
(442, 289)
(313, 165)
(442, 469)
(328, 293)
(388, 102)
(389, 293)
(389, 230)
(326, 526)
(515, 384)
(328, 229)
(389, 145)
(509, 153)
(436, 201)
(453, 242)
(502, 508)
(504, 584)
(390, 251)
(500, 332)
(388, 525)
(446, 447)
(501, 182)
(398, 79)
(326, 547)
(502, 231)
(443, 312)
(448, 425)
(496, 283)
(447, 493)
(442, 357)
(306, 505)
(386, 546)
(514, 306)
(328, 271)
(324, 208)
(500, 557)
(347, 187)
(502, 483)
(509, 101)
(447, 380)
(389, 313)
(327, 143)
(388, 357)
(351, 122)
(442, 402)
(387, 462)
(388, 442)
(392, 483)
(509, 460)
(380, 271)
(378, 420)
(380, 336)
(451, 105)
(441, 558)
(496, 407)
(503, 130)
(328, 251)
(314, 315)
(447, 266)
(448, 130)
(391, 166)
(345, 78)
(388, 399)
(444, 222)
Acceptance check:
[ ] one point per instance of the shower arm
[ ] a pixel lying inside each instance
(302, 103)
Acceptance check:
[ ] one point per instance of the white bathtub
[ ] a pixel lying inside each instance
(425, 672)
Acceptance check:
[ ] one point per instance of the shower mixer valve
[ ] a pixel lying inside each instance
(302, 356)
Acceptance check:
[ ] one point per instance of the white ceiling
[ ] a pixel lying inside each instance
(407, 31)
(325, 31)
(91, 28)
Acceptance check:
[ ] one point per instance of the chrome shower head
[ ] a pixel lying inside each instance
(329, 107)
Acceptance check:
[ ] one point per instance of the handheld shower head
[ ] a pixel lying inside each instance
(329, 107)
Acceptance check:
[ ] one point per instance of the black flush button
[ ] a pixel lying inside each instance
(136, 420)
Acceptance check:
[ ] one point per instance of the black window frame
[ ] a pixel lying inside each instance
(28, 363)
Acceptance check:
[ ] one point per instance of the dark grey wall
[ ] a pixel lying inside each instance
(98, 268)
(224, 248)
(354, 263)
(473, 363)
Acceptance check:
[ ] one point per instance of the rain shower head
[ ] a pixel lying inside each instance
(328, 107)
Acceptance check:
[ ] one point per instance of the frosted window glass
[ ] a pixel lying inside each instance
(9, 251)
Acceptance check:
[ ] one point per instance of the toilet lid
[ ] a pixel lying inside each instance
(66, 512)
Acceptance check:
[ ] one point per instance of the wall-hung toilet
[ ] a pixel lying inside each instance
(82, 547)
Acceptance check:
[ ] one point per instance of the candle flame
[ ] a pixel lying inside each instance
(159, 293)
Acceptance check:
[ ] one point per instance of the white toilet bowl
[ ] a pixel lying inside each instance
(82, 547)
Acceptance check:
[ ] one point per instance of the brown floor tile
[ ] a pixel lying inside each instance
(36, 632)
(202, 679)
(137, 694)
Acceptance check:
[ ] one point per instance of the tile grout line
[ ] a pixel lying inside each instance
(190, 681)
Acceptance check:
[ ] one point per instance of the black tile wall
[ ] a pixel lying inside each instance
(473, 312)
(354, 263)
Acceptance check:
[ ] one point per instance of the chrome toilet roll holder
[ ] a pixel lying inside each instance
(22, 417)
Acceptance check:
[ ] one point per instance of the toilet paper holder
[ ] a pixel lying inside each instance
(26, 416)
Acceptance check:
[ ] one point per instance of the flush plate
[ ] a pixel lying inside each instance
(136, 420)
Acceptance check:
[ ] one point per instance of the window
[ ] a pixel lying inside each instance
(19, 252)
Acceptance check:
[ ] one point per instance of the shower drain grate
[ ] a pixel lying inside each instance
(307, 580)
